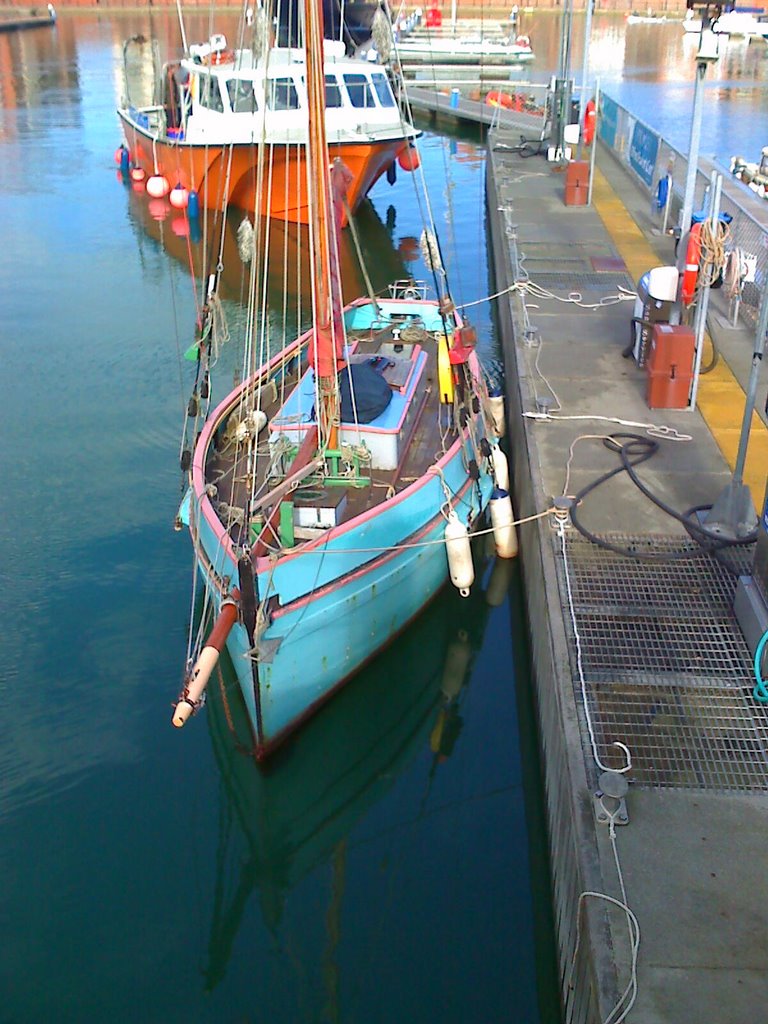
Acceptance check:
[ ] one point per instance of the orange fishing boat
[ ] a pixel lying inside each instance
(213, 109)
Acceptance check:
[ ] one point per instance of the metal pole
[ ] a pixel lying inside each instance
(693, 148)
(594, 142)
(700, 324)
(754, 377)
(733, 514)
(585, 63)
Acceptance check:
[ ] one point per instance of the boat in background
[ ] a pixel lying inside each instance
(14, 18)
(741, 22)
(754, 175)
(331, 494)
(647, 19)
(210, 110)
(465, 49)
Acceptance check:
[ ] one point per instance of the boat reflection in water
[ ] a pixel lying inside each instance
(296, 814)
(180, 236)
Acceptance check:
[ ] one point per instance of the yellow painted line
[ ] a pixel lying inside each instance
(720, 397)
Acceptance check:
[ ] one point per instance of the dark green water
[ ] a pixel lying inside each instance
(389, 865)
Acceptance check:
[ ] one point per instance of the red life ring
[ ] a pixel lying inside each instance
(691, 272)
(524, 41)
(500, 99)
(590, 121)
(217, 57)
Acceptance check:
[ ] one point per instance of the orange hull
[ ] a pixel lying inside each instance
(209, 172)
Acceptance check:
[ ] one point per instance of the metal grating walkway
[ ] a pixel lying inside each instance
(666, 668)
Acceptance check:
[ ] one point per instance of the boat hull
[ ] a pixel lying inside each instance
(220, 179)
(339, 626)
(330, 604)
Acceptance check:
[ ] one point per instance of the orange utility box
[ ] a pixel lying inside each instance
(576, 183)
(670, 366)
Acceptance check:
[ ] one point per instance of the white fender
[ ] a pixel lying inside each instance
(503, 518)
(459, 554)
(496, 408)
(500, 467)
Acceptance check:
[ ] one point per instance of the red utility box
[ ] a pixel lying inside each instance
(670, 366)
(576, 183)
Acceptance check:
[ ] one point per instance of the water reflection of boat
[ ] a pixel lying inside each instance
(294, 815)
(385, 261)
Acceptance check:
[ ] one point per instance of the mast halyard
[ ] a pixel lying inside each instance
(326, 195)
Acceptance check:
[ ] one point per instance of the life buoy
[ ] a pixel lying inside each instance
(691, 272)
(524, 42)
(499, 99)
(590, 121)
(217, 57)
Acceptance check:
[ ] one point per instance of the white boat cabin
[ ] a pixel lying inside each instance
(222, 96)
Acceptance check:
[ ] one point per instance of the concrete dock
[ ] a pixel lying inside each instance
(642, 653)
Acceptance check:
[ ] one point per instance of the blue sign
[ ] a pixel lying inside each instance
(643, 152)
(609, 120)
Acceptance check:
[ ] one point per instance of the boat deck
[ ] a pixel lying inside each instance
(422, 434)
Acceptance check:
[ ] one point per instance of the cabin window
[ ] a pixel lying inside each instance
(242, 98)
(332, 92)
(359, 89)
(210, 96)
(282, 94)
(383, 91)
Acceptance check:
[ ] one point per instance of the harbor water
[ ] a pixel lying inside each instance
(390, 864)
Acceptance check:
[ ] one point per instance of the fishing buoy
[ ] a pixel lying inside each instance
(459, 552)
(137, 174)
(500, 466)
(123, 159)
(409, 159)
(193, 205)
(496, 403)
(189, 701)
(157, 186)
(178, 197)
(503, 518)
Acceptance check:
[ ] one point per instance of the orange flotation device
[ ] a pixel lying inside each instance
(590, 120)
(691, 272)
(500, 99)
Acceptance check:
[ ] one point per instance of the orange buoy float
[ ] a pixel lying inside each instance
(691, 272)
(500, 99)
(157, 186)
(197, 680)
(137, 174)
(178, 197)
(409, 159)
(590, 122)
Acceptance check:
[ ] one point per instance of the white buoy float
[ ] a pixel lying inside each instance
(459, 553)
(496, 408)
(500, 467)
(503, 519)
(189, 701)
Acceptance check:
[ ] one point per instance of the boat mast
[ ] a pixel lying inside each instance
(326, 193)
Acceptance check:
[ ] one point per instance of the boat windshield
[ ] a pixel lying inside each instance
(332, 92)
(359, 89)
(210, 94)
(242, 98)
(383, 91)
(282, 95)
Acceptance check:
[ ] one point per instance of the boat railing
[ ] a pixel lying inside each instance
(662, 169)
